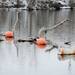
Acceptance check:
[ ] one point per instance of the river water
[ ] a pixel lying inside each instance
(29, 59)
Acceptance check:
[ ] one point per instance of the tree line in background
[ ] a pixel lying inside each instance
(48, 4)
(36, 4)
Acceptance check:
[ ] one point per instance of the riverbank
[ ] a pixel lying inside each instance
(40, 5)
(45, 5)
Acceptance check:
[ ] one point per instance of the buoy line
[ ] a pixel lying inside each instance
(37, 41)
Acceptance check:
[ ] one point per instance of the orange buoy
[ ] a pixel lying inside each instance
(41, 46)
(9, 34)
(41, 41)
(9, 39)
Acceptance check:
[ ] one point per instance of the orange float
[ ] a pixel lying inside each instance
(9, 39)
(41, 46)
(41, 41)
(9, 34)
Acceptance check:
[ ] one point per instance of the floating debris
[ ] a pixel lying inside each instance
(66, 52)
(1, 40)
(23, 40)
(50, 49)
(45, 29)
(68, 43)
(38, 41)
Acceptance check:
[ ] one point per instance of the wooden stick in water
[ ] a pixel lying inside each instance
(53, 27)
(58, 24)
(14, 26)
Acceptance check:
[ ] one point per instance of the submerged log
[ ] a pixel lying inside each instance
(25, 40)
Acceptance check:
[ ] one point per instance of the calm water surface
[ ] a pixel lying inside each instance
(29, 59)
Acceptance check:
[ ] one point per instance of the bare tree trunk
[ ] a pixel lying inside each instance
(71, 3)
(31, 4)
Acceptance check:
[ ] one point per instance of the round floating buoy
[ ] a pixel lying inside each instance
(9, 34)
(41, 41)
(41, 46)
(9, 39)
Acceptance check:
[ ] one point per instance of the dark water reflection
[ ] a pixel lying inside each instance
(26, 58)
